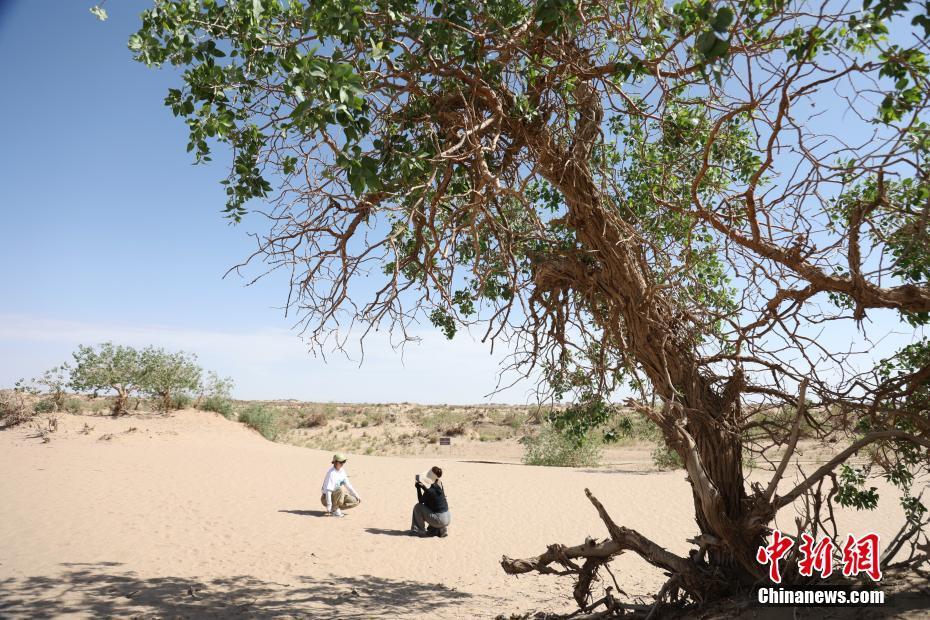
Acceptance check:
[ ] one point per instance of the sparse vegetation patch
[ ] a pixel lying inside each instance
(14, 409)
(261, 419)
(551, 447)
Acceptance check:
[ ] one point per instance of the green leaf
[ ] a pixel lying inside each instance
(704, 10)
(924, 22)
(377, 51)
(705, 42)
(711, 46)
(356, 180)
(723, 19)
(289, 164)
(720, 49)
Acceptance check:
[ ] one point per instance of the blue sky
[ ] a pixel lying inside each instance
(108, 232)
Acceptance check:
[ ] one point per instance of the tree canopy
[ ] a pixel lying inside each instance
(108, 367)
(676, 197)
(161, 374)
(166, 375)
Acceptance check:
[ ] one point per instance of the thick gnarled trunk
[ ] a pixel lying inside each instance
(699, 423)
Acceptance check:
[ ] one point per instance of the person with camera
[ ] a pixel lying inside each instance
(338, 494)
(431, 515)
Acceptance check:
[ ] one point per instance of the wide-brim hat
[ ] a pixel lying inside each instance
(339, 457)
(428, 477)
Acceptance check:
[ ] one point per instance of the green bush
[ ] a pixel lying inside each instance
(182, 400)
(46, 405)
(261, 419)
(54, 382)
(219, 404)
(73, 405)
(552, 448)
(665, 458)
(215, 385)
(218, 391)
(631, 427)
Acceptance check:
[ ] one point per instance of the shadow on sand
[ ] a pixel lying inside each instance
(306, 513)
(385, 532)
(103, 590)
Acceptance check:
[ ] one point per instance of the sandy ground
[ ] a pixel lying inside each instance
(196, 516)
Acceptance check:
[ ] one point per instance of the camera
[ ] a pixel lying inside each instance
(418, 477)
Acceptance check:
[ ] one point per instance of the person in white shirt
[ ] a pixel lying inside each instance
(338, 492)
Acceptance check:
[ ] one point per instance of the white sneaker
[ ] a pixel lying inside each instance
(338, 513)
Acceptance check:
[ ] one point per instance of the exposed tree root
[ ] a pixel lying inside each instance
(688, 580)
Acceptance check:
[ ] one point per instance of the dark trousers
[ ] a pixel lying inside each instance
(423, 516)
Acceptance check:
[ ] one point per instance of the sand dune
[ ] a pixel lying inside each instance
(196, 516)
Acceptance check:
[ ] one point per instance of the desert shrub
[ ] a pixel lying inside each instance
(446, 422)
(537, 415)
(182, 400)
(632, 427)
(100, 405)
(220, 405)
(216, 394)
(45, 405)
(665, 458)
(14, 409)
(514, 419)
(261, 419)
(73, 405)
(312, 419)
(374, 418)
(215, 385)
(494, 433)
(54, 383)
(453, 429)
(287, 417)
(552, 448)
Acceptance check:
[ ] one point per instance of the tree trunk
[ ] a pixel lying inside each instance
(621, 293)
(119, 407)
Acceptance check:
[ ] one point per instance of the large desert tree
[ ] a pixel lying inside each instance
(698, 201)
(107, 367)
(166, 376)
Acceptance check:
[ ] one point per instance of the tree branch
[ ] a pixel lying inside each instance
(795, 431)
(784, 500)
(621, 539)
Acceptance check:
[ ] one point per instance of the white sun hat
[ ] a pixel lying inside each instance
(428, 477)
